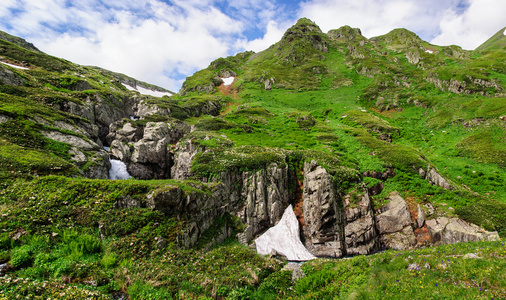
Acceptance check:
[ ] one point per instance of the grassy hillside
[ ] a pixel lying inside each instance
(355, 105)
(496, 42)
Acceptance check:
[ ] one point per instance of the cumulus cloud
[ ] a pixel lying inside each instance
(149, 40)
(377, 17)
(466, 23)
(474, 26)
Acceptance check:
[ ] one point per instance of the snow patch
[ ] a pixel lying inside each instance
(118, 170)
(504, 32)
(14, 66)
(429, 51)
(145, 91)
(228, 80)
(284, 239)
(107, 148)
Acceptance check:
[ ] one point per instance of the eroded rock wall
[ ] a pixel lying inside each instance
(323, 213)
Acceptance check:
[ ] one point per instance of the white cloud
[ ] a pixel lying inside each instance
(154, 46)
(273, 34)
(474, 26)
(377, 17)
(465, 23)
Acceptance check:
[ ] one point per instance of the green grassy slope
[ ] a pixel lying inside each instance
(496, 42)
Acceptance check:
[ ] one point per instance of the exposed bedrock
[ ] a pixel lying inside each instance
(323, 213)
(145, 149)
(361, 236)
(259, 197)
(450, 231)
(333, 225)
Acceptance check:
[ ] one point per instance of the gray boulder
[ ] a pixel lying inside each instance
(9, 77)
(434, 177)
(395, 216)
(400, 240)
(450, 231)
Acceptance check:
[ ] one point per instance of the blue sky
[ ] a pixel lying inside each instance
(163, 41)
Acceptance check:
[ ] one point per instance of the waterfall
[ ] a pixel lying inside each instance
(118, 170)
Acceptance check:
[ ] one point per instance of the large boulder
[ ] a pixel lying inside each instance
(450, 231)
(394, 224)
(395, 216)
(323, 216)
(400, 240)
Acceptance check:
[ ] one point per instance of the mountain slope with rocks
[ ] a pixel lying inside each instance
(381, 144)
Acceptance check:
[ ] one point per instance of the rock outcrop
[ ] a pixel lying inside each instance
(323, 214)
(361, 236)
(432, 175)
(261, 197)
(9, 77)
(450, 231)
(395, 225)
(200, 209)
(183, 157)
(145, 149)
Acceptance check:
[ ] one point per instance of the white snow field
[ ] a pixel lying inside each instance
(145, 91)
(228, 80)
(284, 239)
(14, 66)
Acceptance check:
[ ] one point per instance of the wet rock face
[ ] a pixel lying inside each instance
(323, 217)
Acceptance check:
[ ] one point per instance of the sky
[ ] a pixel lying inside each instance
(163, 41)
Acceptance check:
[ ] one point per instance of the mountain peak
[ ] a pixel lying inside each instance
(303, 27)
(346, 33)
(303, 32)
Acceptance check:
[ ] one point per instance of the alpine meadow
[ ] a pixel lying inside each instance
(328, 166)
